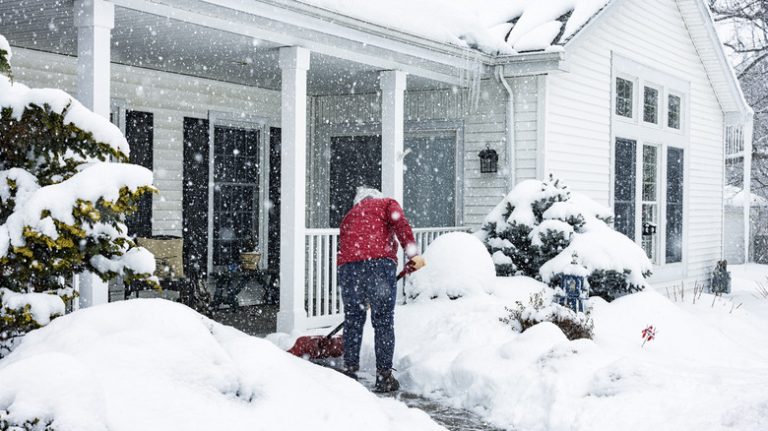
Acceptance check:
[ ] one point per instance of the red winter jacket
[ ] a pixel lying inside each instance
(369, 229)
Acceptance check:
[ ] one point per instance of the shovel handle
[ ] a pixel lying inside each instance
(407, 270)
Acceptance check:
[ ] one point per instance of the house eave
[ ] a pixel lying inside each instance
(531, 63)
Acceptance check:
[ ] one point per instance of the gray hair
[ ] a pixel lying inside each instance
(364, 193)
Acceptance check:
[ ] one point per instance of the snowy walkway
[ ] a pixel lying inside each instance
(452, 418)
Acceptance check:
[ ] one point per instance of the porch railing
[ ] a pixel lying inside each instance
(322, 296)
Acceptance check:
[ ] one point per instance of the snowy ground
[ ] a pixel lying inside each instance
(705, 371)
(157, 365)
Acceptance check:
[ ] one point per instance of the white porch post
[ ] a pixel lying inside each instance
(748, 130)
(294, 62)
(392, 132)
(94, 20)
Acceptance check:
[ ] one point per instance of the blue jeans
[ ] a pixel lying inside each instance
(370, 282)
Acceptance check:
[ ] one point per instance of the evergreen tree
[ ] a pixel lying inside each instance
(64, 194)
(537, 221)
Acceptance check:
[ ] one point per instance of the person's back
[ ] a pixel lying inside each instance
(367, 261)
(369, 229)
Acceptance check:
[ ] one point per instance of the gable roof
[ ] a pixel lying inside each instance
(491, 26)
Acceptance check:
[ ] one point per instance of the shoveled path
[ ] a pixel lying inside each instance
(451, 418)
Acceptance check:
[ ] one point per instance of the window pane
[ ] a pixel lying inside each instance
(651, 105)
(624, 187)
(673, 120)
(235, 199)
(624, 97)
(675, 175)
(650, 208)
(430, 181)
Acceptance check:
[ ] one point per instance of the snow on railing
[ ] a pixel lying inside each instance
(322, 296)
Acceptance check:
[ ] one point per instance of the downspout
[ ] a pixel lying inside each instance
(509, 129)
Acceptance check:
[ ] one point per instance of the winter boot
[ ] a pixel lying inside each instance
(350, 371)
(385, 381)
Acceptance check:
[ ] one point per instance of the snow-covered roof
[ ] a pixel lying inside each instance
(492, 26)
(735, 197)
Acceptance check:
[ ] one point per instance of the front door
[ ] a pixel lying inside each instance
(355, 162)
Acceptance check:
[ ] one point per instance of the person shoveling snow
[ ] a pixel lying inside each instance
(367, 265)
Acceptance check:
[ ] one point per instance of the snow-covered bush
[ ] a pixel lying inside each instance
(457, 265)
(540, 308)
(62, 202)
(23, 312)
(538, 226)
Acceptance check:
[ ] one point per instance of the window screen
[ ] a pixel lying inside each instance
(624, 97)
(624, 187)
(674, 109)
(430, 181)
(674, 246)
(651, 105)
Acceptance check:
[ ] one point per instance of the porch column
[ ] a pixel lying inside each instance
(392, 124)
(294, 62)
(94, 20)
(748, 132)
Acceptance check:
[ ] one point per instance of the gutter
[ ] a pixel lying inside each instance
(509, 129)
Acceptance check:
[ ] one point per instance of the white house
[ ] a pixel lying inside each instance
(259, 116)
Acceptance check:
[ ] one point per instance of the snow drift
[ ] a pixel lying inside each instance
(157, 365)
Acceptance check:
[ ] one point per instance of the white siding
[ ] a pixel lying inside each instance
(170, 97)
(578, 127)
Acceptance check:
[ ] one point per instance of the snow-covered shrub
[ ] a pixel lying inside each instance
(23, 312)
(538, 226)
(62, 202)
(540, 308)
(457, 265)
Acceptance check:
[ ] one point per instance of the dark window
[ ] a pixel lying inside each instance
(430, 181)
(674, 109)
(624, 187)
(674, 246)
(624, 97)
(139, 132)
(235, 193)
(651, 105)
(355, 161)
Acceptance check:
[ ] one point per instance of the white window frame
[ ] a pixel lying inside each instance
(231, 119)
(614, 97)
(659, 110)
(661, 136)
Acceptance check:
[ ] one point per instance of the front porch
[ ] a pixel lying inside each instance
(262, 135)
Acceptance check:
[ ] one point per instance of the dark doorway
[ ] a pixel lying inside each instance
(195, 198)
(355, 161)
(273, 248)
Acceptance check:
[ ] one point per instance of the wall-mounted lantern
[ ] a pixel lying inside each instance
(489, 160)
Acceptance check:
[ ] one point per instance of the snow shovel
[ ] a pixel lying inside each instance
(331, 345)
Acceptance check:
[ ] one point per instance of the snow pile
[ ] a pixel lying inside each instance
(493, 26)
(736, 197)
(157, 365)
(458, 265)
(42, 306)
(704, 371)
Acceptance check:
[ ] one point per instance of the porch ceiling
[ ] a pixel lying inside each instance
(161, 43)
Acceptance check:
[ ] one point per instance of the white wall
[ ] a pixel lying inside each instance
(578, 127)
(170, 97)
